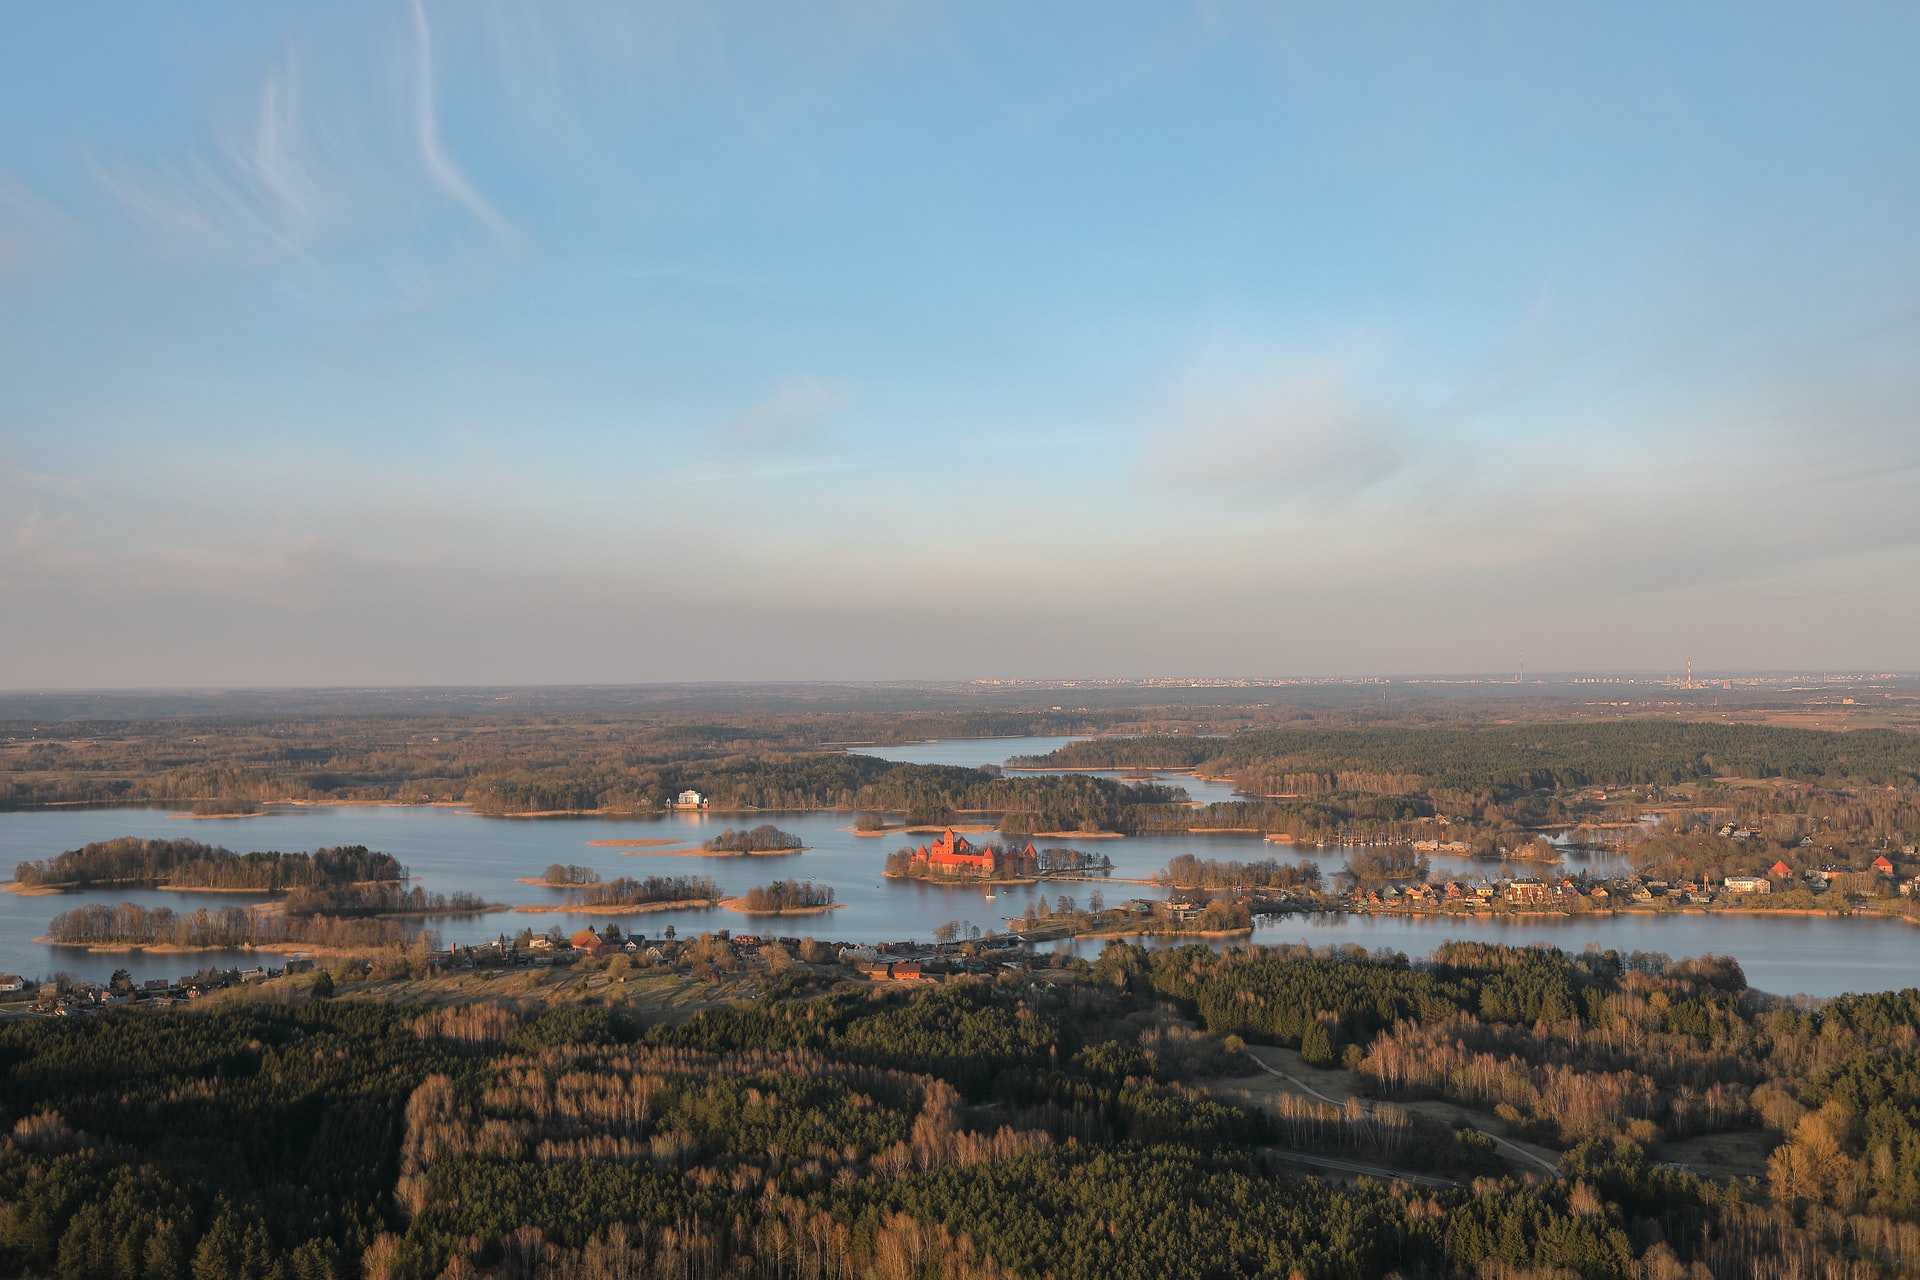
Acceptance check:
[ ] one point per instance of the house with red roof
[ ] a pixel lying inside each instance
(588, 941)
(1780, 869)
(1881, 865)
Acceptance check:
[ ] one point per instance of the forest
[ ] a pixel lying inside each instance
(788, 895)
(1185, 871)
(131, 925)
(191, 864)
(1510, 758)
(626, 891)
(765, 838)
(988, 1127)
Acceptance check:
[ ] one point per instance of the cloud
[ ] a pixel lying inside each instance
(299, 162)
(261, 190)
(791, 420)
(427, 132)
(1301, 432)
(32, 231)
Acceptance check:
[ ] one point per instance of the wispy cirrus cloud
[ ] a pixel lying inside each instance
(792, 419)
(32, 230)
(259, 188)
(1300, 430)
(427, 131)
(304, 159)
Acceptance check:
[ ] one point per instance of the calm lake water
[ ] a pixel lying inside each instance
(451, 849)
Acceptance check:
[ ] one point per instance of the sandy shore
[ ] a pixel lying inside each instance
(740, 905)
(207, 888)
(30, 890)
(168, 948)
(1244, 831)
(1279, 837)
(710, 853)
(204, 817)
(1079, 835)
(883, 831)
(647, 843)
(960, 828)
(579, 909)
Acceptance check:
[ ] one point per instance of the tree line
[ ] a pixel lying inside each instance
(191, 864)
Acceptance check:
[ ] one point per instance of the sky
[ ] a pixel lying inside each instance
(491, 343)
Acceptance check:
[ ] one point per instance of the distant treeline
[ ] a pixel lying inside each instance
(1189, 872)
(191, 864)
(629, 892)
(788, 895)
(379, 898)
(129, 924)
(1509, 757)
(765, 838)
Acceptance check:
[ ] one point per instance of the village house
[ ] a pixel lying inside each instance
(1526, 892)
(1780, 869)
(1883, 866)
(588, 942)
(1747, 884)
(12, 982)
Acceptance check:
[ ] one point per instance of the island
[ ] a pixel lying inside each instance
(765, 838)
(784, 898)
(953, 858)
(188, 864)
(626, 895)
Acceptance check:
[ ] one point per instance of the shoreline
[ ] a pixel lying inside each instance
(739, 905)
(961, 881)
(597, 909)
(1078, 835)
(647, 842)
(203, 888)
(711, 853)
(170, 948)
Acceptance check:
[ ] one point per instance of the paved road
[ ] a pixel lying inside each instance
(1302, 1085)
(1365, 1170)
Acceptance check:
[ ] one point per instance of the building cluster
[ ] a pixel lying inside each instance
(68, 998)
(952, 855)
(1880, 879)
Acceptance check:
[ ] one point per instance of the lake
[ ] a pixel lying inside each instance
(452, 849)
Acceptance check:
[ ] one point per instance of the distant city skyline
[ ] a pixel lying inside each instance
(505, 344)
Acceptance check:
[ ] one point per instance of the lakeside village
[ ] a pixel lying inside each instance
(960, 949)
(1206, 899)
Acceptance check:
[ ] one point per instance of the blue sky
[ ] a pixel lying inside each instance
(378, 343)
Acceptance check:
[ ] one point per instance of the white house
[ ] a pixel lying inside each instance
(688, 799)
(1748, 884)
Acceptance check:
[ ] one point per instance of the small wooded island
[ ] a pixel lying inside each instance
(625, 894)
(189, 864)
(954, 857)
(765, 838)
(784, 898)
